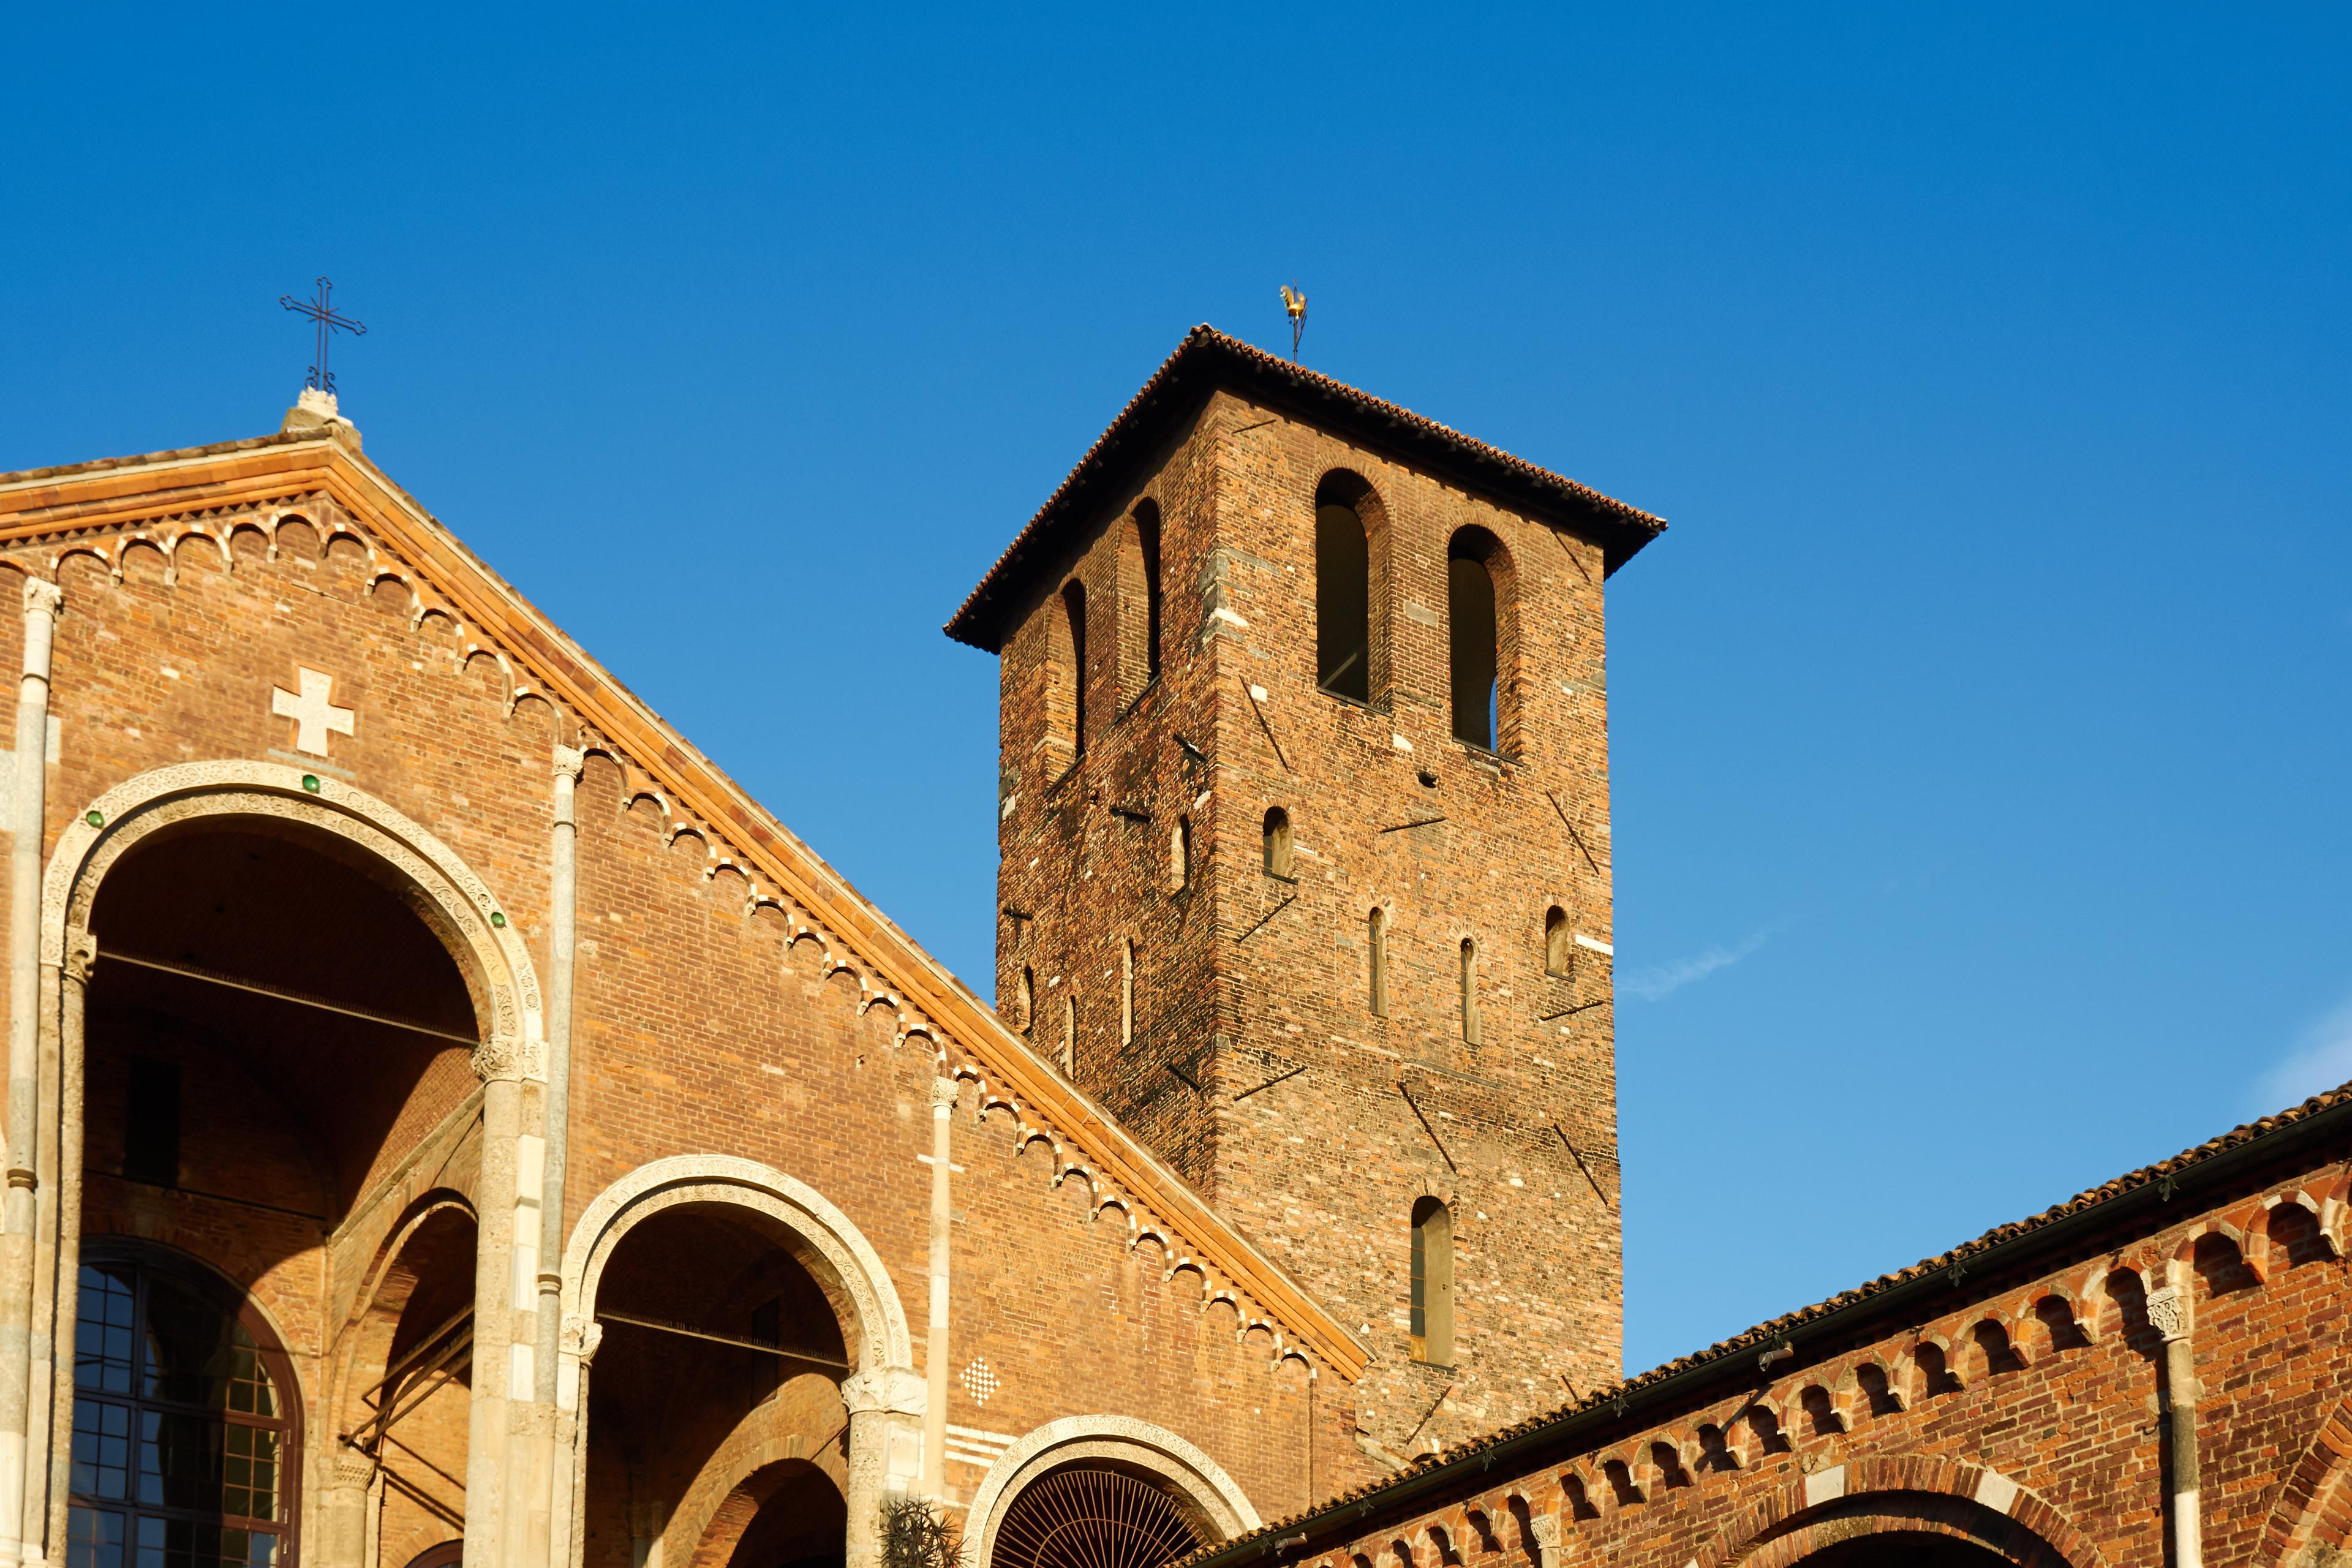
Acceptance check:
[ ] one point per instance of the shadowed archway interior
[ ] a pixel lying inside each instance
(263, 987)
(1905, 1549)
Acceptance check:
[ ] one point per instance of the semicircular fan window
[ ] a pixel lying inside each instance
(1087, 1517)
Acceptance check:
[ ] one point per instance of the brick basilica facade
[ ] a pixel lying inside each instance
(449, 1119)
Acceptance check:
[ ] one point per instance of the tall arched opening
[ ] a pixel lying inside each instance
(275, 1000)
(744, 1370)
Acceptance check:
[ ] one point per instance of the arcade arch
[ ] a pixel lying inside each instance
(272, 1003)
(731, 1316)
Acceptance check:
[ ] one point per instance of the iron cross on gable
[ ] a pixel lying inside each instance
(330, 322)
(314, 717)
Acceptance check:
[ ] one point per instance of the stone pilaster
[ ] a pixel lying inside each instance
(886, 1408)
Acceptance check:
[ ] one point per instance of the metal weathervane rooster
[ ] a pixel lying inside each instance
(1293, 303)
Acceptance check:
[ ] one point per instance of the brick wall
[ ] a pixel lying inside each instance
(706, 1023)
(2017, 1407)
(1243, 976)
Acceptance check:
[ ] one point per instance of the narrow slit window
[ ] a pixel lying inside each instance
(1278, 841)
(1559, 943)
(1126, 992)
(1180, 856)
(1469, 991)
(1069, 1036)
(1025, 1003)
(1376, 941)
(1433, 1282)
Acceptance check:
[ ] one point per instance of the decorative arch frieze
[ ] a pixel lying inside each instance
(337, 498)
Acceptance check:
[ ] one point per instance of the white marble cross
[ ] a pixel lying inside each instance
(313, 715)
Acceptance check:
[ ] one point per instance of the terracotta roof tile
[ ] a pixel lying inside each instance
(1208, 359)
(1763, 1335)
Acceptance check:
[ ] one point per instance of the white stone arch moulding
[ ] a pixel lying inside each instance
(884, 1343)
(447, 896)
(1121, 1439)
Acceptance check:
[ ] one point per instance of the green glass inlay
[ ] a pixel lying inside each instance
(96, 819)
(310, 783)
(496, 919)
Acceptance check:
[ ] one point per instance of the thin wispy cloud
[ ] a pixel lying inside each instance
(1663, 980)
(2320, 1060)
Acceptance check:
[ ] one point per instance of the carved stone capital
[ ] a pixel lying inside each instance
(2168, 1312)
(569, 761)
(42, 598)
(499, 1056)
(353, 1467)
(81, 957)
(893, 1390)
(581, 1340)
(944, 1091)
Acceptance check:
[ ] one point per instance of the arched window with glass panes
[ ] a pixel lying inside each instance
(185, 1444)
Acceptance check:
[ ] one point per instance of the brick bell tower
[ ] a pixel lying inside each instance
(1303, 825)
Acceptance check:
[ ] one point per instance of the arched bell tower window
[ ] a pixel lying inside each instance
(1433, 1282)
(1470, 631)
(1137, 621)
(1146, 533)
(1073, 629)
(185, 1441)
(1278, 841)
(1350, 591)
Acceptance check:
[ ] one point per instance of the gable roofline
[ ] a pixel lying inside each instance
(1208, 361)
(59, 502)
(2323, 1122)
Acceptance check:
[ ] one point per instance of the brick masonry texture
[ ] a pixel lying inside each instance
(706, 1023)
(2008, 1395)
(2015, 1404)
(1244, 976)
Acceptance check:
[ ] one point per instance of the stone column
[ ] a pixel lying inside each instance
(536, 1544)
(344, 1502)
(18, 1211)
(2168, 1314)
(935, 1343)
(568, 1529)
(499, 1063)
(884, 1450)
(82, 956)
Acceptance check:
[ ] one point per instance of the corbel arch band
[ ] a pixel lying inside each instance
(453, 903)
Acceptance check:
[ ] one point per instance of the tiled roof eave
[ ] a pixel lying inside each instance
(1635, 1404)
(1208, 361)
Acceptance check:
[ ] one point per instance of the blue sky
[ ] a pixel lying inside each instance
(1981, 758)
